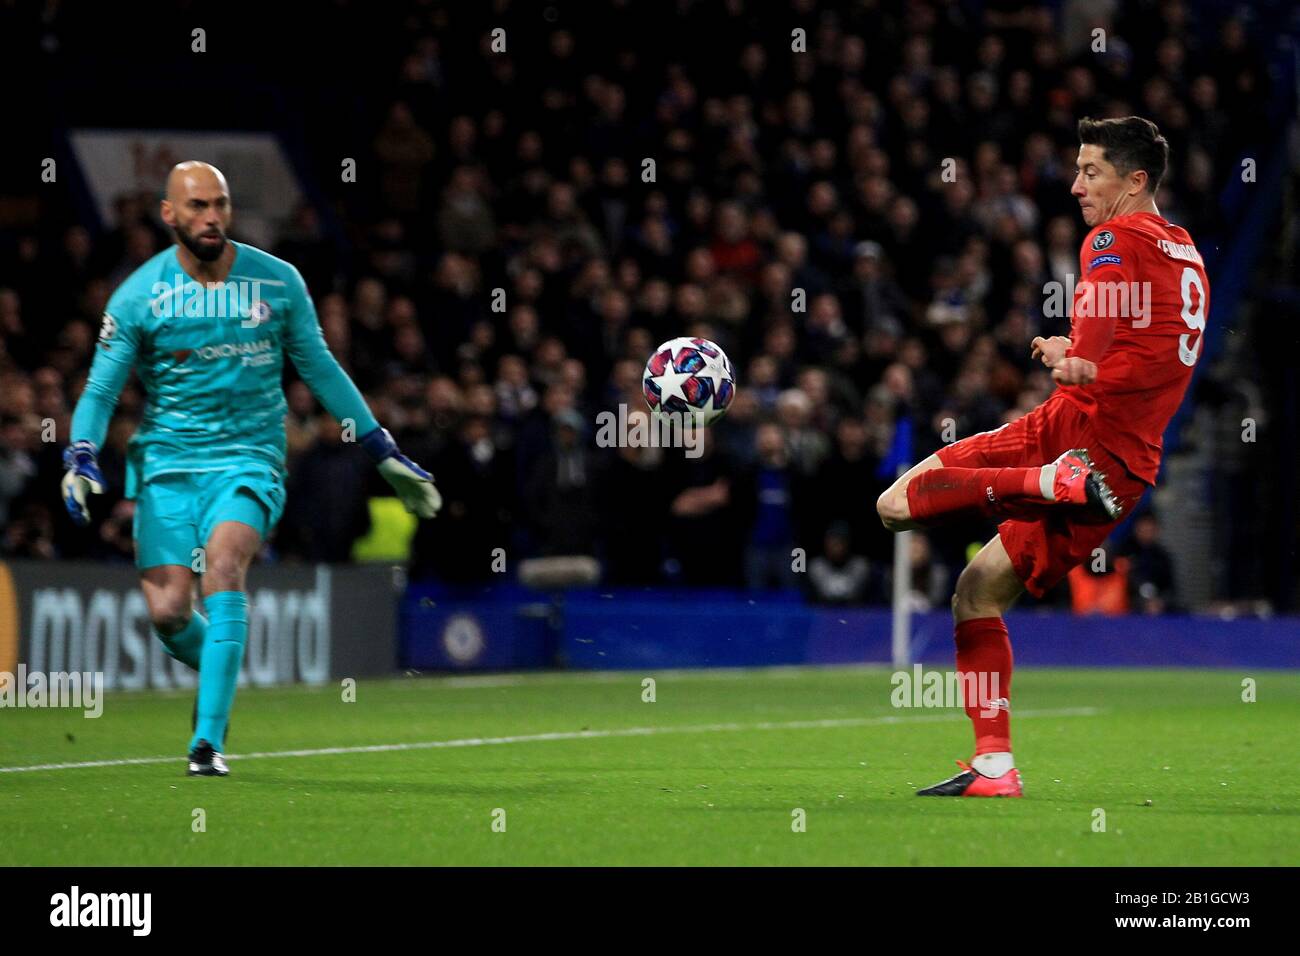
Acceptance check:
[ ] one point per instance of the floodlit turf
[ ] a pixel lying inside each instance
(716, 783)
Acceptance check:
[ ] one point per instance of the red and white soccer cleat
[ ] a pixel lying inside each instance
(1076, 481)
(971, 783)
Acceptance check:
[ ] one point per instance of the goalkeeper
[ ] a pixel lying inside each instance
(207, 324)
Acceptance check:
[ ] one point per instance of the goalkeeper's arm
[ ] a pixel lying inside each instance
(329, 383)
(114, 357)
(339, 395)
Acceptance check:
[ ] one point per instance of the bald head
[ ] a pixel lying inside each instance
(192, 176)
(197, 208)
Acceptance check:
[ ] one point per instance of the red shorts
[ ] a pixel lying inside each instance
(1044, 541)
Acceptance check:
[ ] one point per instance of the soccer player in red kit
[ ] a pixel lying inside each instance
(1060, 478)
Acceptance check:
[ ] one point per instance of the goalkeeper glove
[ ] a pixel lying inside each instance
(412, 483)
(82, 477)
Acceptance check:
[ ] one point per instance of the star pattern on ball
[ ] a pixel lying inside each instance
(670, 382)
(715, 370)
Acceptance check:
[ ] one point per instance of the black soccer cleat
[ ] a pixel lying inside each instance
(1100, 496)
(206, 762)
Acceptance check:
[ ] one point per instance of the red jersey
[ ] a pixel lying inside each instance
(1139, 313)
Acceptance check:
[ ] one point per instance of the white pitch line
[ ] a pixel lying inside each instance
(775, 672)
(556, 735)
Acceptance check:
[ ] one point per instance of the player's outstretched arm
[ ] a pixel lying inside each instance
(114, 356)
(341, 398)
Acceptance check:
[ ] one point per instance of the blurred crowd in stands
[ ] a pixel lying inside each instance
(908, 174)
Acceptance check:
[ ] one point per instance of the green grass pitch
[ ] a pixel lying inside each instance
(711, 772)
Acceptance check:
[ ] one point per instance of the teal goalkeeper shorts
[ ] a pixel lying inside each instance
(176, 512)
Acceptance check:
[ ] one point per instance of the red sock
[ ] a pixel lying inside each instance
(984, 651)
(940, 492)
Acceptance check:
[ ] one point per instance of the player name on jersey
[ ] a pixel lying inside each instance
(1180, 250)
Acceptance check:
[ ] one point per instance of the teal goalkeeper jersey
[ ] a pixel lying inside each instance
(211, 361)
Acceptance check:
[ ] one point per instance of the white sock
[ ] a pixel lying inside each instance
(1047, 482)
(994, 765)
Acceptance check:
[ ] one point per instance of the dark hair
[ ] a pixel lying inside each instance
(1129, 143)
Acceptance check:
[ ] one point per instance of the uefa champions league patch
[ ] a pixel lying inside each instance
(1110, 259)
(107, 330)
(1103, 239)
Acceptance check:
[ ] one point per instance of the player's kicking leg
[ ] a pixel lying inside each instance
(932, 491)
(230, 549)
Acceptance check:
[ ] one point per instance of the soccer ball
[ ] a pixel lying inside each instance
(689, 376)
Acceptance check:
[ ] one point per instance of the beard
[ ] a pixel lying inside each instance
(201, 252)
